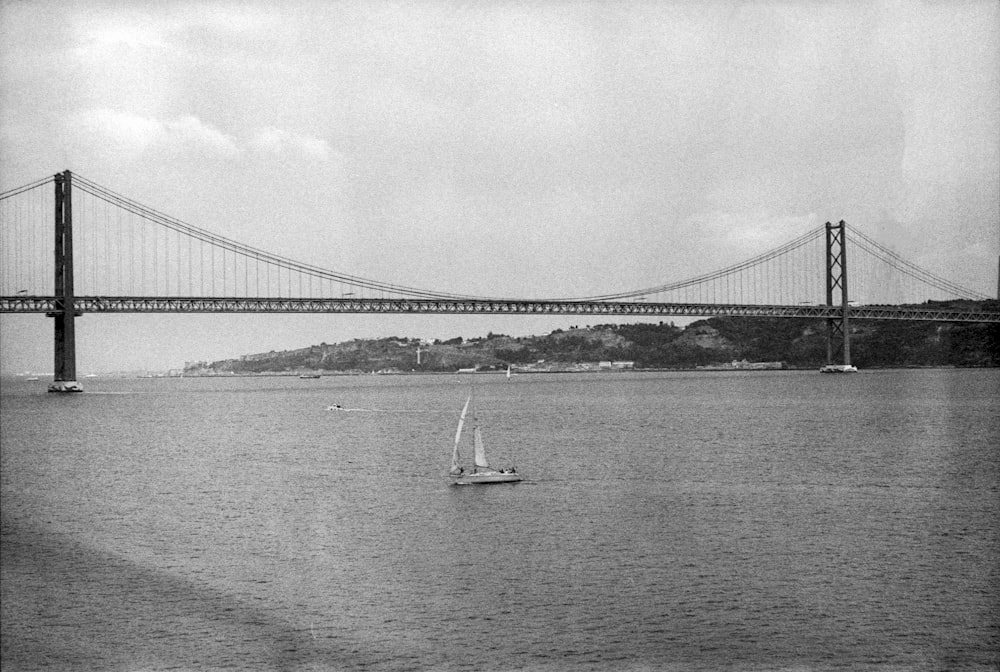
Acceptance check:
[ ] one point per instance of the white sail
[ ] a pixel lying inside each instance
(458, 437)
(477, 442)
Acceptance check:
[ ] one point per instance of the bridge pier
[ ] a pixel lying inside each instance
(838, 335)
(64, 317)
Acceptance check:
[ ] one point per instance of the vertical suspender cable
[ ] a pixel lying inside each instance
(131, 257)
(14, 228)
(118, 218)
(105, 284)
(13, 231)
(14, 216)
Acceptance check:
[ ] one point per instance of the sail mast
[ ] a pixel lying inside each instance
(458, 436)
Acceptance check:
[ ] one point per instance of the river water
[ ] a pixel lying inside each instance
(668, 521)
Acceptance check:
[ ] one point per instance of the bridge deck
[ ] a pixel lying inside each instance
(112, 304)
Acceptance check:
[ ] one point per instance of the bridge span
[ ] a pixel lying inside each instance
(132, 304)
(129, 258)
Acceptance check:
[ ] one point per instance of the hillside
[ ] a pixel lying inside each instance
(794, 342)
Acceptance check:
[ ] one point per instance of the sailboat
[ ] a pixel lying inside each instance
(482, 472)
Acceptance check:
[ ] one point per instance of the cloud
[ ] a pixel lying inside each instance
(277, 141)
(107, 38)
(748, 233)
(135, 133)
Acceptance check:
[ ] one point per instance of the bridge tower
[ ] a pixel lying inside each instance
(65, 315)
(838, 335)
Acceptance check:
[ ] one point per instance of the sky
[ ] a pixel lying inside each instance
(521, 149)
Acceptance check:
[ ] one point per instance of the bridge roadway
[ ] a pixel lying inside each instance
(130, 304)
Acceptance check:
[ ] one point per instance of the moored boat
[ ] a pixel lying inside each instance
(65, 387)
(838, 368)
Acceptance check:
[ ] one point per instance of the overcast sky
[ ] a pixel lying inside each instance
(506, 148)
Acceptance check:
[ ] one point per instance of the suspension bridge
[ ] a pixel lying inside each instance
(107, 253)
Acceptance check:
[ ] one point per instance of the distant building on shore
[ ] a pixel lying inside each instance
(744, 365)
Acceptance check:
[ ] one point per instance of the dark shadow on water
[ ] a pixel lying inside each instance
(67, 606)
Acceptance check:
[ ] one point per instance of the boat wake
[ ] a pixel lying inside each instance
(337, 408)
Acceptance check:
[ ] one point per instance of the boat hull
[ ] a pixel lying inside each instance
(486, 479)
(65, 387)
(838, 368)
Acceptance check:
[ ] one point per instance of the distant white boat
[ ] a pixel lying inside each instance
(65, 387)
(310, 375)
(838, 368)
(482, 473)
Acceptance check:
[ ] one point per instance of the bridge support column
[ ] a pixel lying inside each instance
(65, 315)
(838, 335)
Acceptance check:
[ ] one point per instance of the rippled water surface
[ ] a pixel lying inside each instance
(676, 521)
